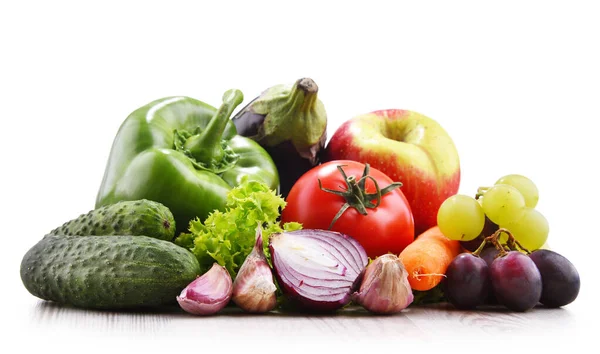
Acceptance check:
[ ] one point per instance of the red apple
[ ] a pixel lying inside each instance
(410, 148)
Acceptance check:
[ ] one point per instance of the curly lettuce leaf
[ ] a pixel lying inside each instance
(227, 237)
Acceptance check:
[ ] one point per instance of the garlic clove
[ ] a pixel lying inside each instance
(209, 293)
(385, 288)
(254, 288)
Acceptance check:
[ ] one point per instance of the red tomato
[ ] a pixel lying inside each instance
(387, 228)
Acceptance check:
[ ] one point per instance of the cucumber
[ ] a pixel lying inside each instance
(108, 272)
(138, 217)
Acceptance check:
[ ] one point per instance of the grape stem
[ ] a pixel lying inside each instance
(482, 246)
(512, 243)
(481, 191)
(494, 239)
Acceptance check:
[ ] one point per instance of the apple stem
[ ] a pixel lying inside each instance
(356, 195)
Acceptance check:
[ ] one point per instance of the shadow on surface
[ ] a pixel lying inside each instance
(48, 309)
(46, 312)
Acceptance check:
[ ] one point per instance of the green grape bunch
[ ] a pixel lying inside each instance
(510, 203)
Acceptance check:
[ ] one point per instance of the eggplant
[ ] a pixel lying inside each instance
(290, 123)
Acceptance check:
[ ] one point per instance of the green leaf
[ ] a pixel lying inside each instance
(432, 296)
(228, 237)
(292, 226)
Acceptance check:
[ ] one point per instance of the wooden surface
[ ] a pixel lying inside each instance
(431, 328)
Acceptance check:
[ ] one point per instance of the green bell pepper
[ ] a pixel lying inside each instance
(185, 154)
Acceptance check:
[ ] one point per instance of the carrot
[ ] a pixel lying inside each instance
(427, 258)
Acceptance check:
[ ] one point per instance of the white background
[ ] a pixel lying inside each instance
(515, 83)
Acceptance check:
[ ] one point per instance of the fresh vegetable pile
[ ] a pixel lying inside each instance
(260, 212)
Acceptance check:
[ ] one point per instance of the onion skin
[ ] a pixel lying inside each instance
(208, 294)
(325, 281)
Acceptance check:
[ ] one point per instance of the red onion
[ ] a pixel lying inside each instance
(317, 269)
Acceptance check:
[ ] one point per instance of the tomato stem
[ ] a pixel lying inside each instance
(356, 195)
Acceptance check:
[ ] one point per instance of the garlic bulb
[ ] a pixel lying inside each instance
(253, 288)
(209, 293)
(384, 288)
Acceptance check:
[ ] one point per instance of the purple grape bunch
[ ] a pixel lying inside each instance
(510, 276)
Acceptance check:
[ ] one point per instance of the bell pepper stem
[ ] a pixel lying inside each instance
(206, 146)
